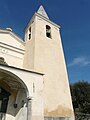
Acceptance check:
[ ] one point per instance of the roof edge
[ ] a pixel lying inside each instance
(12, 34)
(44, 18)
(22, 69)
(48, 20)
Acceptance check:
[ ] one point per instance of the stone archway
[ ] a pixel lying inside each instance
(16, 93)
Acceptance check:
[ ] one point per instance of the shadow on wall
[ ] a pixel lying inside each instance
(13, 102)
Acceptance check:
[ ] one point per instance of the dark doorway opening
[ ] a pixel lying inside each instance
(4, 97)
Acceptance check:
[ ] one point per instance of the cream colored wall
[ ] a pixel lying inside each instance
(11, 50)
(29, 50)
(34, 84)
(9, 39)
(49, 59)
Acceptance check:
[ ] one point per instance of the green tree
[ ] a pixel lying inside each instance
(80, 92)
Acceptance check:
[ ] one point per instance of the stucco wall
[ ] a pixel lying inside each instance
(10, 39)
(49, 59)
(34, 89)
(11, 50)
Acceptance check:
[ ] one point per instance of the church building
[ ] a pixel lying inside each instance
(33, 77)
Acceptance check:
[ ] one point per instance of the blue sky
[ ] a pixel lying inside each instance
(74, 18)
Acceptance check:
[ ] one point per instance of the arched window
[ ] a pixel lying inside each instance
(48, 31)
(29, 33)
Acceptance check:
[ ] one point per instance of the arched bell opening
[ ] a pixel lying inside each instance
(13, 96)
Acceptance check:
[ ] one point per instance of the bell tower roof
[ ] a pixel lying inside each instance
(42, 12)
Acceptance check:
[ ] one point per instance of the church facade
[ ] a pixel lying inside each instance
(33, 77)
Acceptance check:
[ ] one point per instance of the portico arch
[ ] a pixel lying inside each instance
(15, 77)
(17, 94)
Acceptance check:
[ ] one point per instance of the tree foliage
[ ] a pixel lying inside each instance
(80, 92)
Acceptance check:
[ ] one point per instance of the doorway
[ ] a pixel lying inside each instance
(4, 97)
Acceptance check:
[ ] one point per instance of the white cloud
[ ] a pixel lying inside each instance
(81, 61)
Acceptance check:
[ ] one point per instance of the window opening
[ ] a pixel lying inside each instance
(29, 33)
(48, 31)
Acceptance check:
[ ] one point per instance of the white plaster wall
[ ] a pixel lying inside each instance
(22, 114)
(11, 49)
(12, 57)
(21, 111)
(11, 40)
(9, 117)
(36, 92)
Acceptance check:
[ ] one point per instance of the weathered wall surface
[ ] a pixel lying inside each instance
(49, 59)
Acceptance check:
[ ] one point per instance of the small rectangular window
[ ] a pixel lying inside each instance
(48, 31)
(29, 33)
(29, 36)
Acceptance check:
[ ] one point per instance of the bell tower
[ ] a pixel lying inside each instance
(44, 53)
